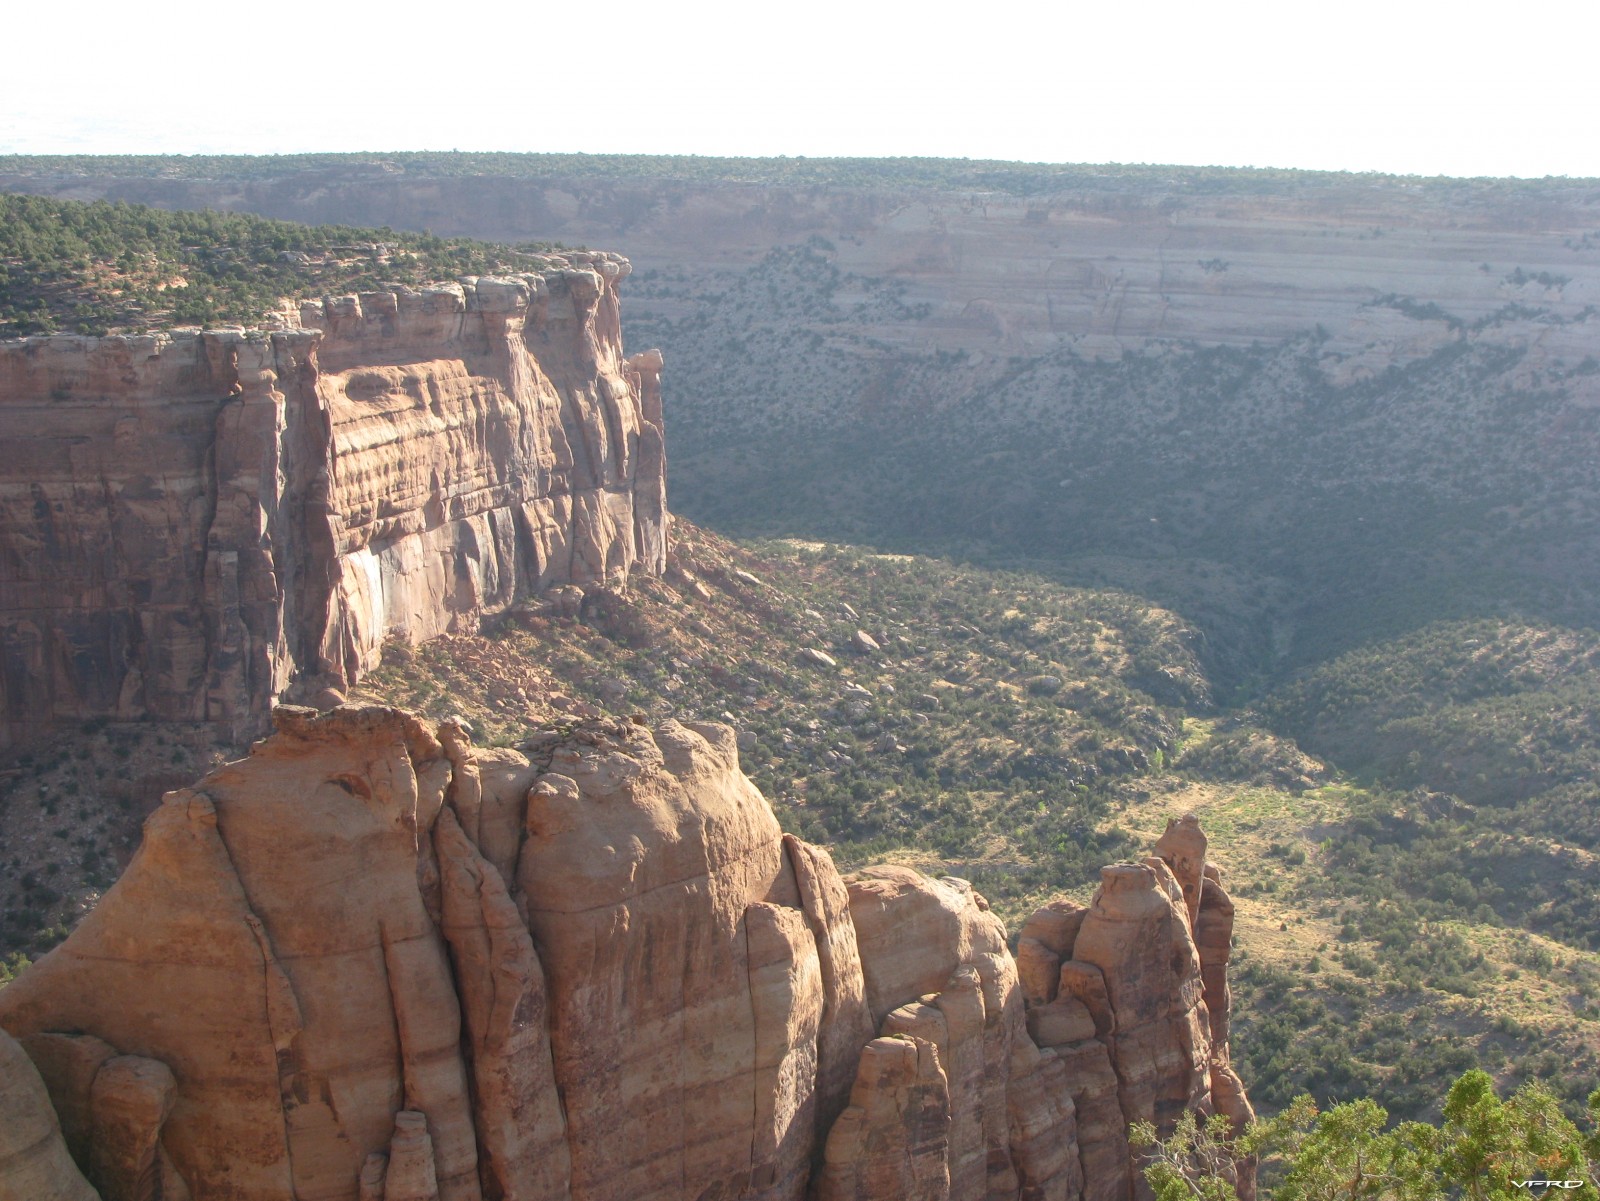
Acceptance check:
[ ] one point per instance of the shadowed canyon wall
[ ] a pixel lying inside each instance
(369, 961)
(195, 524)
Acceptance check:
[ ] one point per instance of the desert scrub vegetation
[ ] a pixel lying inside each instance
(1481, 741)
(1345, 1024)
(983, 737)
(110, 267)
(1413, 947)
(1483, 1147)
(1414, 941)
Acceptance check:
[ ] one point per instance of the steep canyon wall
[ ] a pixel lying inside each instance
(369, 961)
(1299, 407)
(195, 524)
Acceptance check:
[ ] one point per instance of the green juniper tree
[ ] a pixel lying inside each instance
(1484, 1149)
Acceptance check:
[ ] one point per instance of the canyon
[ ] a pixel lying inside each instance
(1300, 408)
(196, 524)
(1301, 414)
(372, 961)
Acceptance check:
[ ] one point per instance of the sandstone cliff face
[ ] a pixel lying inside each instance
(192, 524)
(366, 962)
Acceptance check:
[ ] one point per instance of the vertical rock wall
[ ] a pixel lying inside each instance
(194, 525)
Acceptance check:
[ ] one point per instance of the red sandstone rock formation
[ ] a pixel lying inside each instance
(893, 1139)
(199, 523)
(1137, 934)
(1183, 849)
(937, 967)
(1139, 1003)
(369, 962)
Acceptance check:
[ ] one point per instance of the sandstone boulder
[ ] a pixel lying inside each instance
(1214, 936)
(787, 999)
(410, 1174)
(1087, 984)
(1038, 970)
(1138, 1014)
(1064, 1021)
(504, 776)
(297, 1014)
(1102, 1130)
(914, 932)
(953, 1021)
(936, 943)
(373, 1180)
(1044, 1127)
(847, 1023)
(129, 1103)
(516, 1106)
(1183, 848)
(643, 854)
(1055, 926)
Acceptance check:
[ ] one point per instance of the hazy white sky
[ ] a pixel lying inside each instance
(1462, 88)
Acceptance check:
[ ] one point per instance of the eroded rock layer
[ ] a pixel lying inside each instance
(193, 525)
(368, 962)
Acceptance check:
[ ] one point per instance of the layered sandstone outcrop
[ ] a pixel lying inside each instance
(195, 524)
(1133, 992)
(368, 961)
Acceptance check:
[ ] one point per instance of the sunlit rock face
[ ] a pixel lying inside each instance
(365, 962)
(194, 525)
(1132, 994)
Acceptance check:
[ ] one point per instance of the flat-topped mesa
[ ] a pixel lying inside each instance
(194, 524)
